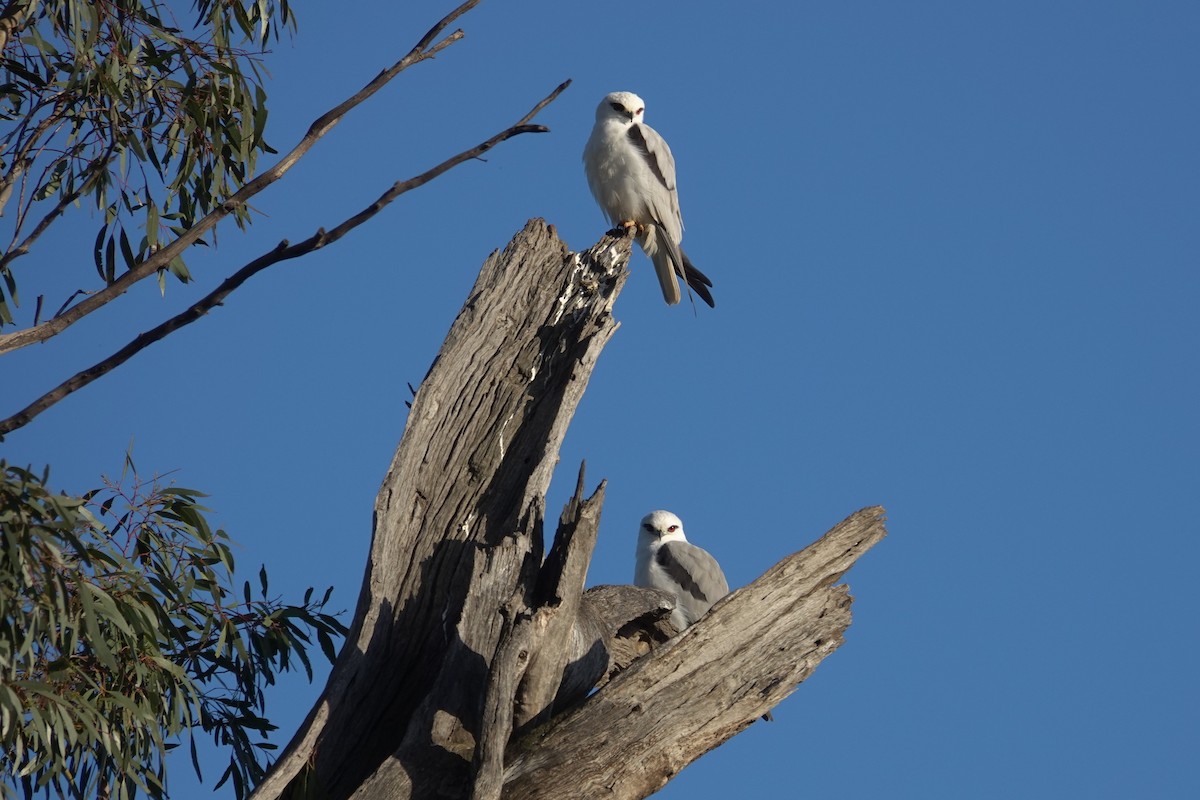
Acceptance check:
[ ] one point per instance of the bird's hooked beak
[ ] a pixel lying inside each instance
(627, 113)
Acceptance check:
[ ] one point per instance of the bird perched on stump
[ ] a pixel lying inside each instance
(667, 560)
(631, 173)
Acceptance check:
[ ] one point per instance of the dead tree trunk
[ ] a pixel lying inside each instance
(466, 631)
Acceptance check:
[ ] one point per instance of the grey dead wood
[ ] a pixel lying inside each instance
(525, 674)
(686, 697)
(457, 531)
(557, 597)
(465, 630)
(616, 626)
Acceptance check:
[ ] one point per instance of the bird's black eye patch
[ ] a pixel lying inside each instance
(617, 107)
(648, 527)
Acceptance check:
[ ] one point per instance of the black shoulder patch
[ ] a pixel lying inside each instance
(666, 559)
(639, 141)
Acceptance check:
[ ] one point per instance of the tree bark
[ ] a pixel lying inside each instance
(720, 675)
(464, 632)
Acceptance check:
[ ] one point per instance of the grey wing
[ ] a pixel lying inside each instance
(663, 198)
(698, 575)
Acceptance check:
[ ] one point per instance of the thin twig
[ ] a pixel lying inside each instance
(20, 159)
(424, 49)
(18, 250)
(67, 302)
(282, 252)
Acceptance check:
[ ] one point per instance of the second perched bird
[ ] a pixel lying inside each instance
(667, 560)
(631, 173)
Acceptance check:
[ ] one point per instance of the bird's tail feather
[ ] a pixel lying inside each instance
(697, 281)
(668, 260)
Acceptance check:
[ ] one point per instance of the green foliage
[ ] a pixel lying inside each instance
(121, 635)
(154, 120)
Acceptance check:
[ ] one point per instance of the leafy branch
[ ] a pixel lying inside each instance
(122, 633)
(161, 257)
(153, 120)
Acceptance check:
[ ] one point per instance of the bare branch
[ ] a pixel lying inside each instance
(442, 24)
(281, 252)
(159, 260)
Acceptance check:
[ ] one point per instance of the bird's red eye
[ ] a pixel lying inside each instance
(672, 528)
(640, 111)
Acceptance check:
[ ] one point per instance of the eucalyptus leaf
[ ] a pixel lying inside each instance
(124, 642)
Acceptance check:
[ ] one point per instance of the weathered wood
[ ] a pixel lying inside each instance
(752, 649)
(616, 626)
(528, 667)
(464, 632)
(512, 658)
(458, 526)
(557, 599)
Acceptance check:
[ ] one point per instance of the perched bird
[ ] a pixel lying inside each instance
(631, 173)
(667, 560)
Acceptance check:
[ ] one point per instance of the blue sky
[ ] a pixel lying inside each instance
(955, 252)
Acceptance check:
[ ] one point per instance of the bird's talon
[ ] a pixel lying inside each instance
(624, 228)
